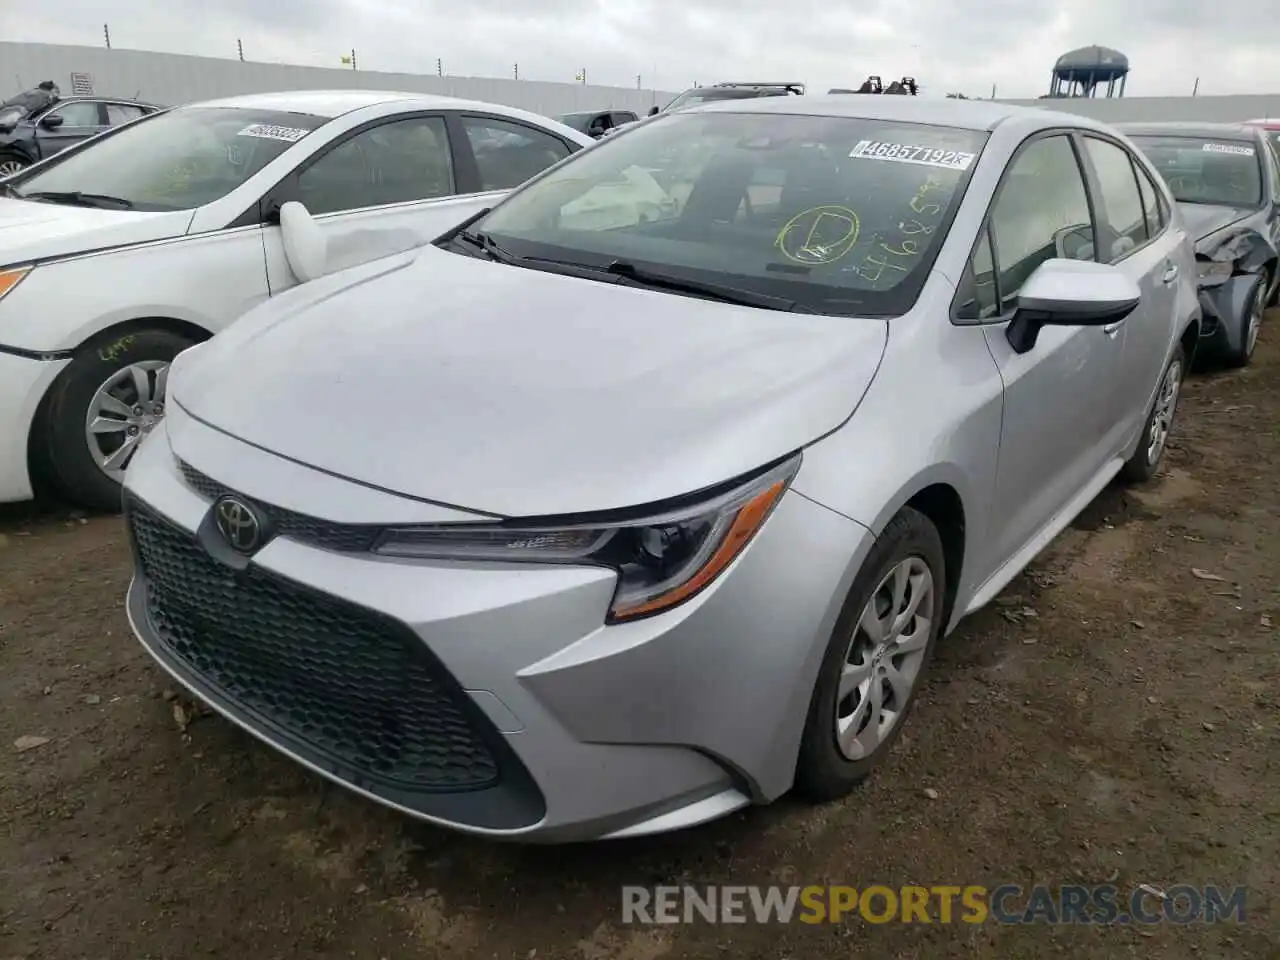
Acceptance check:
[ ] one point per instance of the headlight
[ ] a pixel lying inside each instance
(10, 279)
(1214, 269)
(661, 560)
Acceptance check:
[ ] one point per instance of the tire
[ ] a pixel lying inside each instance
(1146, 460)
(11, 163)
(825, 771)
(1249, 322)
(61, 450)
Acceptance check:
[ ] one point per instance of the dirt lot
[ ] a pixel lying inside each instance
(1115, 716)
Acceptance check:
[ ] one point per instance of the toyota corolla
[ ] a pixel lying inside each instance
(597, 518)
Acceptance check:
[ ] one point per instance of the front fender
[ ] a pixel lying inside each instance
(205, 281)
(1226, 303)
(21, 149)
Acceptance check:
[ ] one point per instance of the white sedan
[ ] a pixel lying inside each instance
(120, 253)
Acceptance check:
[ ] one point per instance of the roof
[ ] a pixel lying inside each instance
(1096, 58)
(1190, 128)
(98, 98)
(963, 114)
(331, 103)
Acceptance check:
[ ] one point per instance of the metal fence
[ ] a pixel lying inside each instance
(168, 79)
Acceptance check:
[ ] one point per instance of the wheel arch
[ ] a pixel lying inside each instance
(942, 504)
(1190, 339)
(104, 340)
(940, 494)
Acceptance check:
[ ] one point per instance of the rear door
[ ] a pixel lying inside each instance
(501, 153)
(118, 113)
(1124, 207)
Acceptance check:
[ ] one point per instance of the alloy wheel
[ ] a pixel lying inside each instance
(9, 167)
(125, 409)
(1162, 415)
(884, 658)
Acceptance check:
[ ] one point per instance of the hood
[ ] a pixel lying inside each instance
(1202, 219)
(30, 230)
(521, 393)
(1228, 234)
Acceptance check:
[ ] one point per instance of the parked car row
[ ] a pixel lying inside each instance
(475, 526)
(121, 251)
(40, 123)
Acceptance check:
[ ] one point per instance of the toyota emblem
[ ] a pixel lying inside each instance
(239, 524)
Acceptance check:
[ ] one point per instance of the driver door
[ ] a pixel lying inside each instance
(1059, 397)
(382, 189)
(80, 120)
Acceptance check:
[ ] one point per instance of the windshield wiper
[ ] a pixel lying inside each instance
(713, 291)
(76, 198)
(484, 242)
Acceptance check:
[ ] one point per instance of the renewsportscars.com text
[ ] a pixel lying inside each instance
(1103, 904)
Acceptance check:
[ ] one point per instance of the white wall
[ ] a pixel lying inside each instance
(168, 79)
(1156, 109)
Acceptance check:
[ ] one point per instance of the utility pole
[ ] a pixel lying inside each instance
(106, 35)
(240, 49)
(1195, 88)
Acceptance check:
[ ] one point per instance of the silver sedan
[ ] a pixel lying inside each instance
(648, 494)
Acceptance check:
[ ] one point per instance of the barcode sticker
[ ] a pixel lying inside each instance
(1238, 151)
(269, 131)
(909, 153)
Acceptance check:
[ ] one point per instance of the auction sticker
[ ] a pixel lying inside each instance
(269, 131)
(1231, 148)
(909, 153)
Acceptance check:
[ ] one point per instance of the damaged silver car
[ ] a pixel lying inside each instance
(1226, 181)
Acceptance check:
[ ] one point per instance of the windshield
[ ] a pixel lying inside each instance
(177, 160)
(840, 215)
(1202, 170)
(700, 95)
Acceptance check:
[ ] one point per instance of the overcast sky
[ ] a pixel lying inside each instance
(963, 45)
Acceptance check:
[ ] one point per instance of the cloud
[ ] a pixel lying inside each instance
(963, 45)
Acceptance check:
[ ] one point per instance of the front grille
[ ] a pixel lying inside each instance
(342, 537)
(354, 691)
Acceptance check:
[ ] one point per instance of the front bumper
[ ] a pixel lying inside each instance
(489, 698)
(23, 383)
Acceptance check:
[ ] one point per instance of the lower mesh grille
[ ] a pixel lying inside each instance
(360, 691)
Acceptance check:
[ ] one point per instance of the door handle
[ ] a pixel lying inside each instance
(1170, 274)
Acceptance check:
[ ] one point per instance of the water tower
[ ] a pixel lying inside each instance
(1078, 73)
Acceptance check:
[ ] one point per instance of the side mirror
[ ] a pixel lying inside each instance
(52, 122)
(305, 246)
(653, 111)
(1070, 293)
